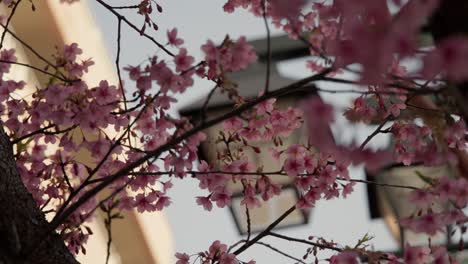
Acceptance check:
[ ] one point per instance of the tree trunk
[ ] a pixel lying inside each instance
(23, 227)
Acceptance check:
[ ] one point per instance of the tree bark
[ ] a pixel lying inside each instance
(22, 224)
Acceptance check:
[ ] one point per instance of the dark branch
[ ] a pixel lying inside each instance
(13, 10)
(268, 63)
(41, 71)
(130, 24)
(280, 252)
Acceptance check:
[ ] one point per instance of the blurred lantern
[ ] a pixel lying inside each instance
(392, 203)
(251, 83)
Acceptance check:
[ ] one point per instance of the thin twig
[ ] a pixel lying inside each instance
(207, 101)
(192, 68)
(42, 131)
(376, 131)
(265, 232)
(407, 89)
(268, 64)
(381, 184)
(65, 175)
(273, 173)
(280, 252)
(130, 24)
(32, 49)
(40, 70)
(126, 7)
(235, 245)
(13, 10)
(108, 225)
(117, 61)
(247, 212)
(307, 242)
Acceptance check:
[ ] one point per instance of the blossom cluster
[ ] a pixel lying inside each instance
(217, 252)
(453, 193)
(314, 173)
(420, 254)
(231, 56)
(70, 136)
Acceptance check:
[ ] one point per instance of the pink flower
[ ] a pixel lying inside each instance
(286, 9)
(233, 124)
(441, 256)
(71, 51)
(296, 151)
(417, 255)
(203, 166)
(271, 190)
(243, 54)
(173, 39)
(163, 201)
(310, 163)
(348, 189)
(422, 198)
(451, 57)
(134, 72)
(303, 203)
(327, 175)
(266, 106)
(6, 55)
(429, 223)
(445, 187)
(210, 49)
(144, 203)
(105, 94)
(455, 135)
(275, 154)
(395, 109)
(144, 83)
(228, 259)
(460, 195)
(205, 202)
(217, 249)
(249, 198)
(304, 182)
(230, 57)
(183, 61)
(454, 216)
(346, 257)
(294, 166)
(182, 258)
(221, 196)
(165, 101)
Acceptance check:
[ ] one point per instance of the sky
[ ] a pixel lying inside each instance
(194, 229)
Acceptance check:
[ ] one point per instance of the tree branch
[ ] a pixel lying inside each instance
(130, 24)
(280, 252)
(13, 10)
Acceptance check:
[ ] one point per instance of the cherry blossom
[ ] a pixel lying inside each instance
(173, 39)
(124, 129)
(415, 255)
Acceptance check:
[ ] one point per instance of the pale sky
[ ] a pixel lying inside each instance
(194, 229)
